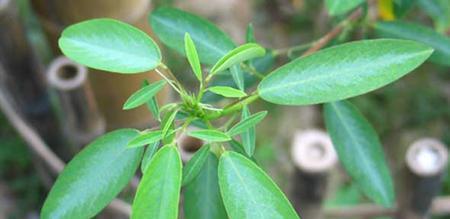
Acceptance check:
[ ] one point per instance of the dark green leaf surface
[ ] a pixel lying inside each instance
(359, 150)
(148, 155)
(110, 45)
(158, 192)
(209, 135)
(248, 192)
(92, 179)
(145, 138)
(240, 54)
(342, 71)
(195, 164)
(339, 7)
(416, 32)
(227, 91)
(247, 123)
(192, 56)
(249, 136)
(171, 24)
(202, 198)
(152, 104)
(143, 95)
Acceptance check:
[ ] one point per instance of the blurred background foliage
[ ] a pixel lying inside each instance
(418, 105)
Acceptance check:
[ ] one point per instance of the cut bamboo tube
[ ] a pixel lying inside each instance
(111, 90)
(314, 157)
(79, 114)
(426, 162)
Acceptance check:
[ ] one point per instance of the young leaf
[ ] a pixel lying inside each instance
(148, 155)
(209, 135)
(339, 7)
(359, 150)
(152, 104)
(167, 122)
(202, 198)
(170, 25)
(192, 56)
(93, 177)
(158, 192)
(238, 76)
(143, 95)
(110, 45)
(247, 123)
(248, 137)
(195, 164)
(240, 54)
(248, 192)
(342, 71)
(250, 34)
(416, 32)
(227, 91)
(145, 138)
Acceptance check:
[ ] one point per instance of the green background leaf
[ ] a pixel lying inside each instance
(338, 7)
(209, 135)
(359, 150)
(148, 155)
(195, 164)
(158, 192)
(248, 192)
(170, 25)
(247, 123)
(202, 199)
(227, 91)
(143, 95)
(92, 179)
(110, 45)
(416, 32)
(342, 71)
(249, 136)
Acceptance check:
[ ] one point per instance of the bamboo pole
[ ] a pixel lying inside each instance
(426, 162)
(78, 111)
(111, 90)
(314, 158)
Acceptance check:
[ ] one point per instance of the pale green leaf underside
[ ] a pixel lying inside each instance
(110, 45)
(158, 192)
(195, 164)
(360, 151)
(247, 123)
(342, 71)
(248, 192)
(227, 91)
(416, 32)
(240, 54)
(93, 177)
(209, 135)
(338, 7)
(143, 95)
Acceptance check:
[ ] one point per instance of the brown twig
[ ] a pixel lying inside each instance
(324, 40)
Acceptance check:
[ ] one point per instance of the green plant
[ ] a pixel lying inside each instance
(222, 179)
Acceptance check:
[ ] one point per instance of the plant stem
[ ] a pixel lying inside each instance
(233, 107)
(168, 80)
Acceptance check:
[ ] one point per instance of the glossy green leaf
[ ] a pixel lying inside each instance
(227, 91)
(92, 179)
(152, 104)
(167, 122)
(158, 192)
(202, 199)
(148, 155)
(238, 76)
(342, 71)
(359, 150)
(145, 139)
(339, 7)
(143, 95)
(195, 164)
(417, 32)
(209, 135)
(248, 192)
(247, 123)
(240, 54)
(170, 25)
(110, 45)
(249, 136)
(192, 56)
